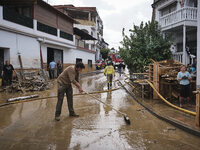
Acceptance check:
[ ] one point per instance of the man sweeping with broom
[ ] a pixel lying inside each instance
(66, 78)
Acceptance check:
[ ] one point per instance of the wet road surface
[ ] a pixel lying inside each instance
(31, 126)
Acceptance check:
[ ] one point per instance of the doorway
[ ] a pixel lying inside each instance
(54, 54)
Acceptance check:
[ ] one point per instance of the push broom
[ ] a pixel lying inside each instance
(126, 118)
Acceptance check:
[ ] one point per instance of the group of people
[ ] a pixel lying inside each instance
(55, 69)
(71, 76)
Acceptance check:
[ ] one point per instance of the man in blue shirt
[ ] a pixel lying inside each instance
(184, 78)
(52, 69)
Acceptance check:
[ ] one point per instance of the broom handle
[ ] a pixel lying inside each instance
(105, 103)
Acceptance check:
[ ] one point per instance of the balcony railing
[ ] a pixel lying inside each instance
(178, 56)
(184, 14)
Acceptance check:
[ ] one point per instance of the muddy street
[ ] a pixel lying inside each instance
(31, 125)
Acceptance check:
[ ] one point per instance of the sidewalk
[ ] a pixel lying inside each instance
(162, 111)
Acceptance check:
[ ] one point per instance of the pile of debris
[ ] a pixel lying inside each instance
(169, 69)
(31, 81)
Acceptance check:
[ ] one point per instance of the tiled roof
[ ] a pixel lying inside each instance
(92, 9)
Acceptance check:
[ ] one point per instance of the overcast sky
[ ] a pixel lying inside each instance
(115, 14)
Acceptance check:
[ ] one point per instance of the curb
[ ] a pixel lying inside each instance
(172, 122)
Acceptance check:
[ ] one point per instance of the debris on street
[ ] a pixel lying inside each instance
(33, 81)
(22, 98)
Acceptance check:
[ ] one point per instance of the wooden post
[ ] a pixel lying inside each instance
(156, 79)
(198, 109)
(21, 66)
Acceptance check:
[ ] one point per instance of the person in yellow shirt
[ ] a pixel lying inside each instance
(109, 71)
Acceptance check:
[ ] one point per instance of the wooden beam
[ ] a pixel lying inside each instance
(156, 79)
(21, 66)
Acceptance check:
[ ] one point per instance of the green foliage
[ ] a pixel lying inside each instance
(145, 42)
(104, 53)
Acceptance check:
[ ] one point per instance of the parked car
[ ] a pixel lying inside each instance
(100, 64)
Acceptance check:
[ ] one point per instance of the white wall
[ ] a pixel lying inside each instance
(16, 39)
(69, 55)
(28, 47)
(85, 56)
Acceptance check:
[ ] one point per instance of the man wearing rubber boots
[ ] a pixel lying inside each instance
(109, 72)
(66, 78)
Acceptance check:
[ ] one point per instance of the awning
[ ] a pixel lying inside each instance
(83, 35)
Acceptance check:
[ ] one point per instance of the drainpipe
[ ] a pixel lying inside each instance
(198, 47)
(184, 43)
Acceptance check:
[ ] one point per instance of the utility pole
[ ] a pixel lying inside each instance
(198, 47)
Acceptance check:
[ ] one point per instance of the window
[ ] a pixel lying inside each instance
(78, 60)
(89, 63)
(47, 29)
(14, 16)
(169, 9)
(66, 35)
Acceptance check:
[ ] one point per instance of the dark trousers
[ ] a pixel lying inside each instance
(109, 80)
(52, 73)
(62, 89)
(7, 79)
(59, 71)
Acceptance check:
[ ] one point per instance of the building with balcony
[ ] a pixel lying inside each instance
(178, 19)
(40, 33)
(89, 21)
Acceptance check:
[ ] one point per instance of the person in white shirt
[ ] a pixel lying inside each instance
(184, 78)
(52, 69)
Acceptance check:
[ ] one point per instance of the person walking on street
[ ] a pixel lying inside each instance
(184, 77)
(7, 73)
(120, 67)
(59, 68)
(109, 71)
(52, 69)
(66, 78)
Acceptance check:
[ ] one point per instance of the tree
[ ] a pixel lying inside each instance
(145, 42)
(104, 53)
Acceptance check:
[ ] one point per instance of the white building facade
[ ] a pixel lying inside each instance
(34, 44)
(90, 22)
(178, 19)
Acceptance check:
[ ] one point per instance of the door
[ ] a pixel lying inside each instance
(54, 54)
